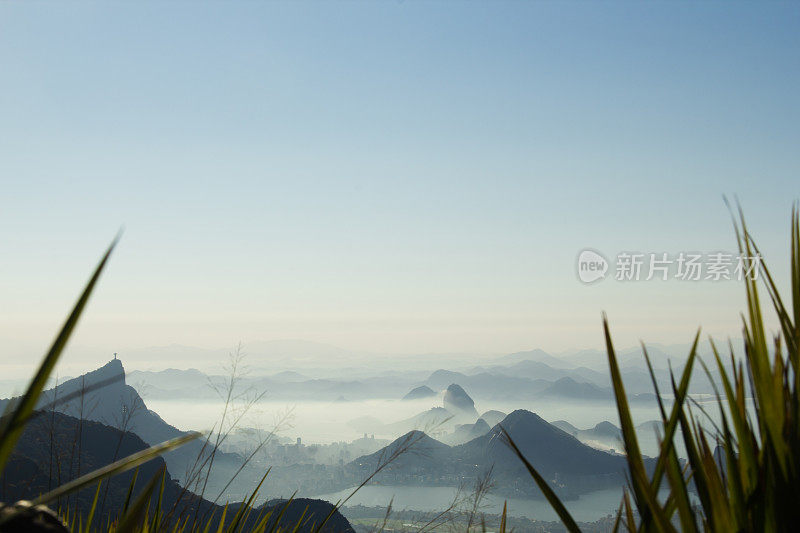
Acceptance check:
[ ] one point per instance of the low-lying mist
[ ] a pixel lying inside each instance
(328, 422)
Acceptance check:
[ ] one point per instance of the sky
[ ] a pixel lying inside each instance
(385, 177)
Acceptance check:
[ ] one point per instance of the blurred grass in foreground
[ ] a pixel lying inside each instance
(745, 470)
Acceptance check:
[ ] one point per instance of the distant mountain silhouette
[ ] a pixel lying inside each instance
(603, 435)
(566, 427)
(169, 379)
(607, 429)
(441, 378)
(569, 388)
(466, 432)
(492, 418)
(288, 385)
(425, 453)
(631, 357)
(290, 376)
(549, 449)
(457, 401)
(421, 392)
(531, 370)
(490, 386)
(572, 467)
(650, 424)
(103, 396)
(539, 356)
(512, 380)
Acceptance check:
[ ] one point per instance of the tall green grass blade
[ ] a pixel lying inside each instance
(92, 509)
(679, 494)
(654, 381)
(630, 521)
(131, 520)
(130, 492)
(221, 526)
(283, 510)
(667, 445)
(299, 523)
(644, 495)
(618, 519)
(261, 520)
(208, 521)
(720, 506)
(790, 328)
(768, 397)
(244, 510)
(623, 410)
(699, 475)
(156, 521)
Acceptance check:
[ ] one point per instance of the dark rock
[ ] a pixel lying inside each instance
(458, 402)
(24, 517)
(307, 515)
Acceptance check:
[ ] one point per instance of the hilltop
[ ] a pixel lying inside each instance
(573, 467)
(418, 393)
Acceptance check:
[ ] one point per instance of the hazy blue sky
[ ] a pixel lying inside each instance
(384, 176)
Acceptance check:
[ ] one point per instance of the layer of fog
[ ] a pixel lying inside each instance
(328, 422)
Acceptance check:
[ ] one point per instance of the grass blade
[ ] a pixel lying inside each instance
(130, 492)
(130, 521)
(94, 507)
